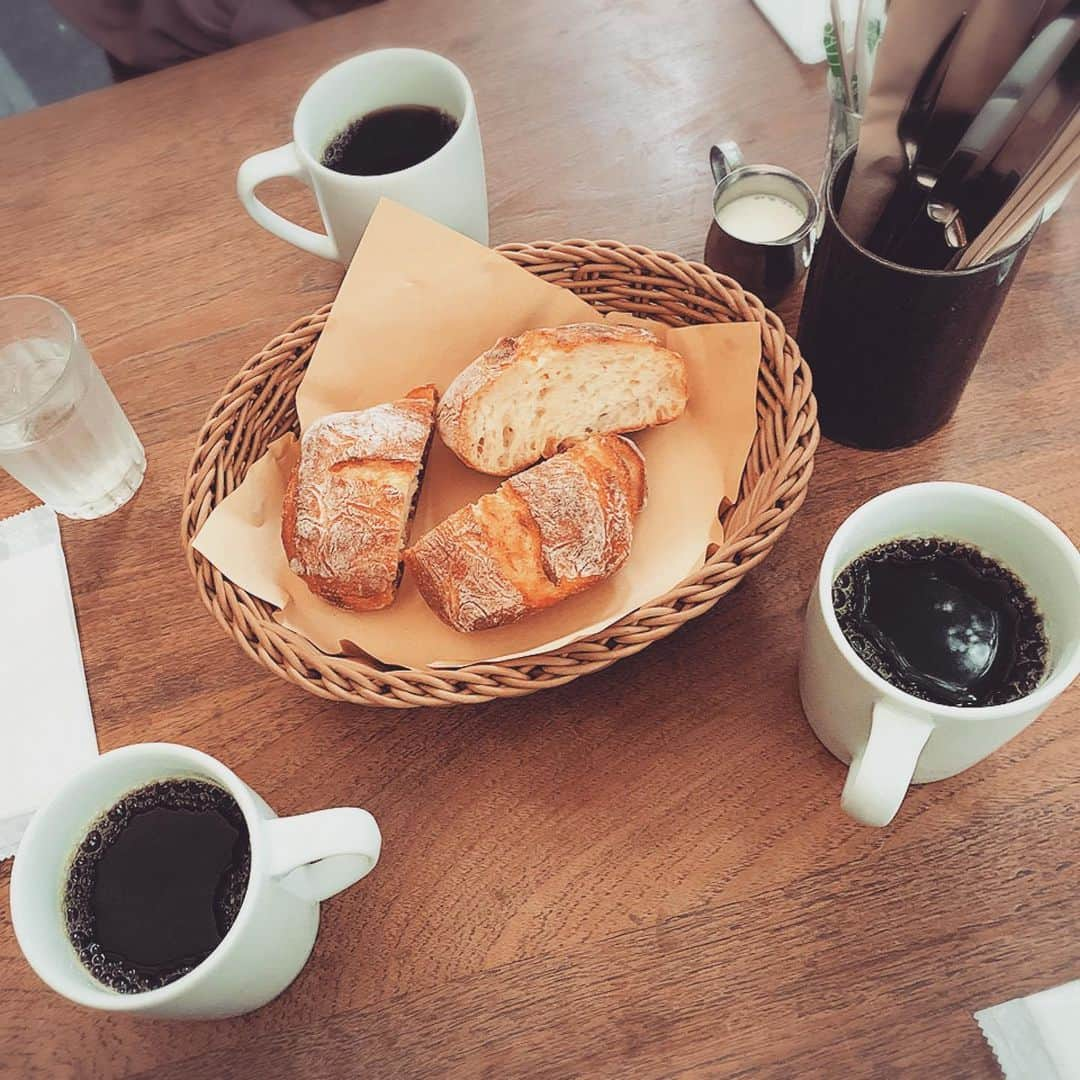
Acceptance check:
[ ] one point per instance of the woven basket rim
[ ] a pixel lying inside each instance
(611, 275)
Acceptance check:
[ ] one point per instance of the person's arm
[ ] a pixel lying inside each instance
(149, 34)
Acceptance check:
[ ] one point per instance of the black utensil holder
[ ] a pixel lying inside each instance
(891, 348)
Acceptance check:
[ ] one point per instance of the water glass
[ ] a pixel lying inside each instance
(842, 134)
(63, 435)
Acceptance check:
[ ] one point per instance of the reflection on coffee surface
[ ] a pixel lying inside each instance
(942, 621)
(389, 140)
(156, 883)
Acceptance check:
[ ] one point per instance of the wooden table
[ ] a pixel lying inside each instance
(646, 872)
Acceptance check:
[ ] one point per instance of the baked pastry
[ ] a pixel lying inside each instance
(544, 535)
(527, 396)
(351, 498)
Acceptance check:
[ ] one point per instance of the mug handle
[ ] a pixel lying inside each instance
(880, 773)
(281, 161)
(724, 158)
(318, 854)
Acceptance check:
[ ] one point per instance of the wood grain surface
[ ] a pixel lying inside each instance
(645, 873)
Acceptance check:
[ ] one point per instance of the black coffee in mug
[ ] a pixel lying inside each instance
(156, 883)
(389, 140)
(942, 621)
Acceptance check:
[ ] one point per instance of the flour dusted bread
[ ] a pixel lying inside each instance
(349, 502)
(528, 396)
(544, 535)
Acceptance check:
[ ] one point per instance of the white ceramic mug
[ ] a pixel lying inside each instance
(891, 738)
(448, 186)
(295, 863)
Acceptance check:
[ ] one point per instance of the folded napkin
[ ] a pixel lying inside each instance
(1036, 1037)
(46, 728)
(801, 23)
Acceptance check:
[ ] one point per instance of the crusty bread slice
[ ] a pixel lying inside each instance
(350, 500)
(527, 397)
(544, 535)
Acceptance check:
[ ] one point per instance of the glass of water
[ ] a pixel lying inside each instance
(62, 433)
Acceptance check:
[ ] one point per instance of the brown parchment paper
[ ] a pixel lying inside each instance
(417, 304)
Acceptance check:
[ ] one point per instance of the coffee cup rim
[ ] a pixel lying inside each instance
(314, 163)
(99, 996)
(765, 169)
(1040, 697)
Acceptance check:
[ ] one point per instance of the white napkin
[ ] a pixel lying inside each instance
(801, 23)
(1036, 1037)
(46, 728)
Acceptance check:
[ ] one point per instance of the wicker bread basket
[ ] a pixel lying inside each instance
(258, 406)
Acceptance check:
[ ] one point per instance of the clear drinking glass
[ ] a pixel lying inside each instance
(843, 133)
(62, 433)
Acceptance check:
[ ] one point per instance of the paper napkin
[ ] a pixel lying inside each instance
(1036, 1037)
(46, 728)
(801, 23)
